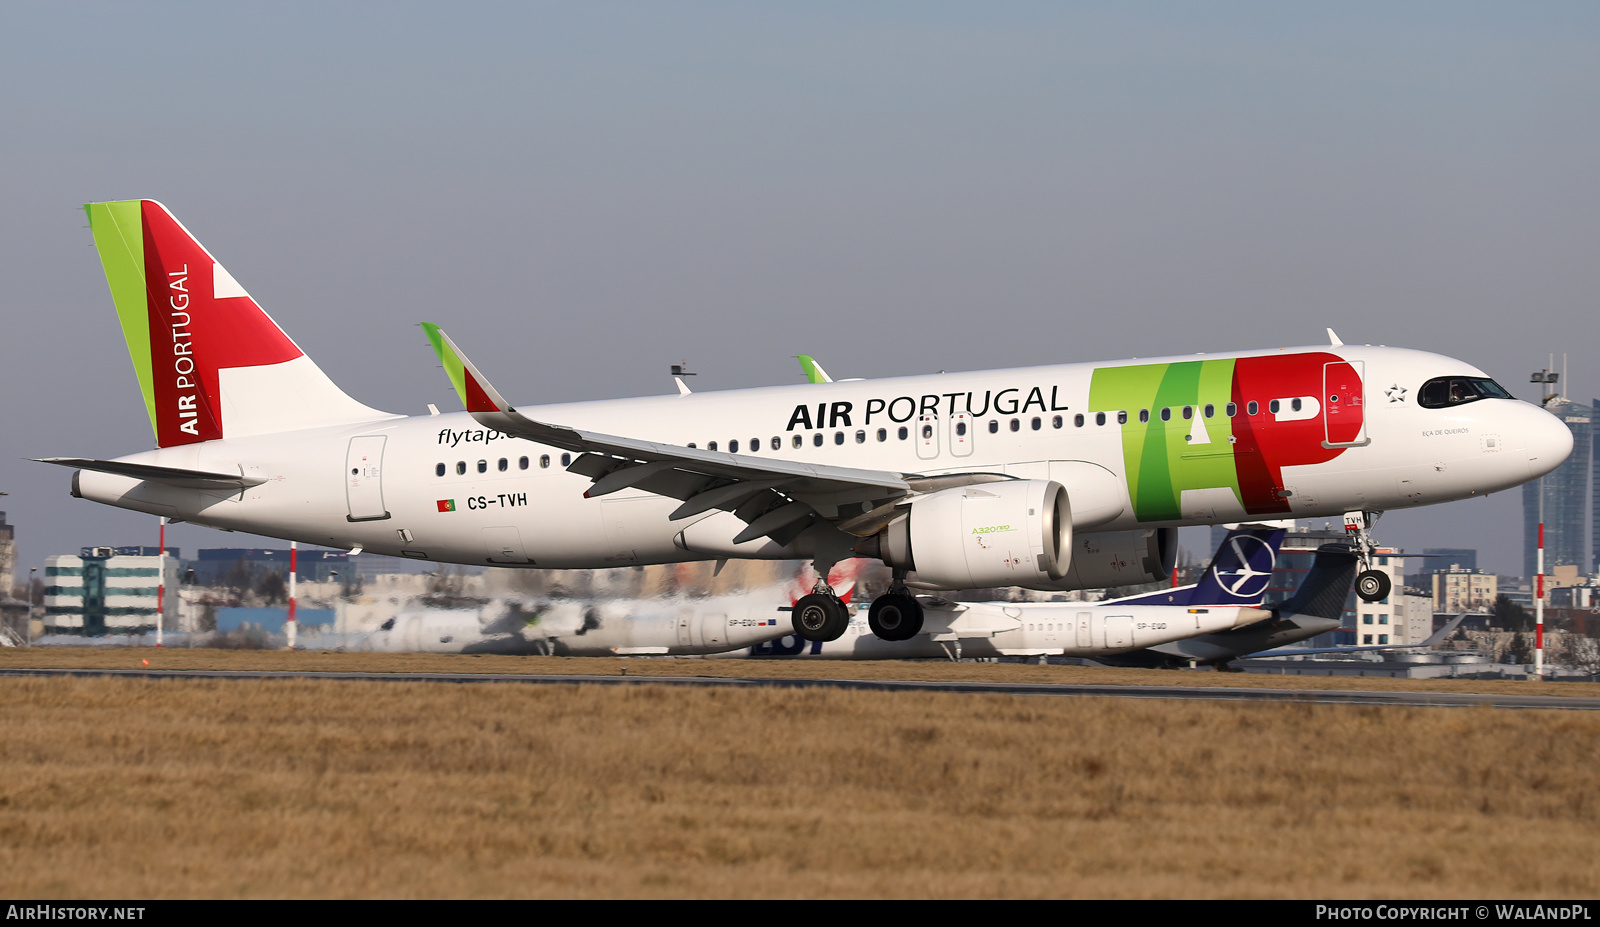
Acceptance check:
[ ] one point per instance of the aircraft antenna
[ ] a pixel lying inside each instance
(679, 371)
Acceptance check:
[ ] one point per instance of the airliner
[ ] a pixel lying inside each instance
(751, 623)
(1052, 477)
(606, 626)
(1226, 601)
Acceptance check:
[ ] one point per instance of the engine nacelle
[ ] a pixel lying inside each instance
(1117, 558)
(1011, 533)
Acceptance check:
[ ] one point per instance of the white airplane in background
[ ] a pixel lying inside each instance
(602, 626)
(1054, 477)
(1226, 600)
(749, 624)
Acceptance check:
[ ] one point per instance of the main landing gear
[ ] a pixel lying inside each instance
(1371, 584)
(896, 615)
(819, 615)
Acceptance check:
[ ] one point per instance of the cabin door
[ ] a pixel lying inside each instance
(363, 478)
(1344, 405)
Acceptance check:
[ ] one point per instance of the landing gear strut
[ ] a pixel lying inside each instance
(896, 615)
(1371, 584)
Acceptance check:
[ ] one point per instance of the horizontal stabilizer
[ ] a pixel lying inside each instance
(172, 476)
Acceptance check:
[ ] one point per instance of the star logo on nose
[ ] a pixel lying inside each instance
(1396, 393)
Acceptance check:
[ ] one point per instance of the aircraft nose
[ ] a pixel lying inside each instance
(1548, 441)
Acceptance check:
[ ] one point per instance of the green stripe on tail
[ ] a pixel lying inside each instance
(119, 237)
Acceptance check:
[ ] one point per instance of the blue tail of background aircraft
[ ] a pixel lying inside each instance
(1239, 573)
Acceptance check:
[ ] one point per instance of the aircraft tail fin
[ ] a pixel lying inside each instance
(1327, 584)
(1238, 574)
(1241, 569)
(209, 361)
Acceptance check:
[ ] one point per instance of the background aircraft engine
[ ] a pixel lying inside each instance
(1117, 558)
(1013, 533)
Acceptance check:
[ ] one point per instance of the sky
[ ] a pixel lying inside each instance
(585, 193)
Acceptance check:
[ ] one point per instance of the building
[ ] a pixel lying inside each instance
(8, 556)
(102, 592)
(244, 566)
(1459, 589)
(1439, 558)
(1565, 493)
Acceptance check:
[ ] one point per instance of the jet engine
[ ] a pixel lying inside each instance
(1011, 533)
(1117, 558)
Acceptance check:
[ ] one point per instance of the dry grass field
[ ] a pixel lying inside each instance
(151, 789)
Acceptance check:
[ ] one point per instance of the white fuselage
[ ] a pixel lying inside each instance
(1002, 629)
(443, 488)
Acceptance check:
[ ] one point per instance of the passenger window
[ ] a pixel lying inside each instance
(1188, 412)
(733, 446)
(438, 470)
(504, 465)
(544, 460)
(1166, 414)
(1016, 425)
(1056, 421)
(861, 437)
(927, 431)
(711, 445)
(903, 433)
(838, 437)
(1077, 420)
(798, 440)
(883, 435)
(1254, 408)
(566, 460)
(483, 466)
(961, 429)
(1099, 418)
(1294, 405)
(1273, 406)
(816, 439)
(1211, 410)
(1036, 423)
(1122, 417)
(692, 444)
(1230, 410)
(461, 467)
(755, 445)
(994, 427)
(777, 443)
(522, 463)
(1144, 415)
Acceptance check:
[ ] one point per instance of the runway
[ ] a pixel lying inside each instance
(1203, 693)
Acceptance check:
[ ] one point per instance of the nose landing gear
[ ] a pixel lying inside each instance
(1371, 584)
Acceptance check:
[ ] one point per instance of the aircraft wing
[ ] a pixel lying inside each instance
(780, 497)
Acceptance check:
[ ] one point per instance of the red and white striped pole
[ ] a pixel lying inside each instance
(294, 572)
(161, 579)
(1538, 605)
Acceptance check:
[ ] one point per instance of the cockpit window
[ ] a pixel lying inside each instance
(1441, 392)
